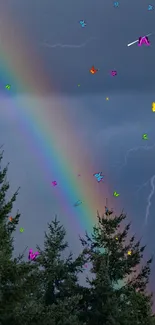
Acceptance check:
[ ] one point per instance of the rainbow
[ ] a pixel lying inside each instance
(48, 132)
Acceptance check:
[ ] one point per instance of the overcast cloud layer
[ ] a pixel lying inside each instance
(112, 129)
(69, 51)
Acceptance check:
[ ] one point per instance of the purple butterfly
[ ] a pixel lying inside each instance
(143, 40)
(32, 256)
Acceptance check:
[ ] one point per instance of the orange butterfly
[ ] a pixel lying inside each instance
(93, 70)
(10, 218)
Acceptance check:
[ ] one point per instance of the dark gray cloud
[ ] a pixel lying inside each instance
(103, 43)
(110, 130)
(112, 133)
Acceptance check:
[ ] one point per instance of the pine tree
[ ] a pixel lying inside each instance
(60, 291)
(17, 280)
(117, 291)
(47, 291)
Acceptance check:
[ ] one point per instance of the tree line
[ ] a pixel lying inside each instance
(46, 290)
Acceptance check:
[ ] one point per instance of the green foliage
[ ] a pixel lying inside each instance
(16, 277)
(114, 257)
(48, 291)
(59, 277)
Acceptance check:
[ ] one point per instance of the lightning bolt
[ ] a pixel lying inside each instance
(152, 180)
(134, 150)
(141, 186)
(67, 45)
(152, 183)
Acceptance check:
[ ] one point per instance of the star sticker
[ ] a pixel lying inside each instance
(153, 107)
(107, 98)
(21, 229)
(98, 176)
(129, 252)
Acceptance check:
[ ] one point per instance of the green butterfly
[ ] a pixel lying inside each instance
(116, 194)
(145, 136)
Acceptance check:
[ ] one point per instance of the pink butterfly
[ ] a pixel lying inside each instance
(32, 255)
(143, 40)
(54, 183)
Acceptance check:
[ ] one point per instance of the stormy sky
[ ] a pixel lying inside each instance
(103, 42)
(112, 129)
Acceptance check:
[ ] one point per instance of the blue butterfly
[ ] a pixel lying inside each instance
(98, 176)
(82, 23)
(77, 203)
(108, 212)
(150, 7)
(116, 4)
